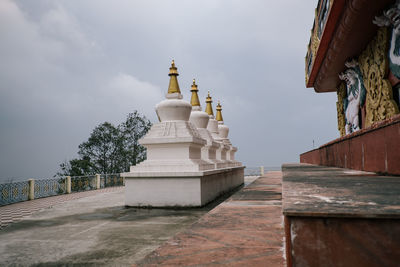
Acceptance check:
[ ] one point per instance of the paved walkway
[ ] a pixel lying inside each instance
(245, 230)
(94, 228)
(15, 212)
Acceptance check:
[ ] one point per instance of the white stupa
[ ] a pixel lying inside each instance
(173, 144)
(223, 132)
(213, 128)
(200, 119)
(179, 169)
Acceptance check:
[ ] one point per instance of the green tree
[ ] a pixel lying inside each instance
(104, 148)
(133, 129)
(110, 149)
(75, 167)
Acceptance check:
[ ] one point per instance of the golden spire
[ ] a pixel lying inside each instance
(194, 101)
(219, 113)
(173, 81)
(209, 109)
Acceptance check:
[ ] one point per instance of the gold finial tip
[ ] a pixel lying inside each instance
(173, 82)
(209, 109)
(195, 98)
(219, 113)
(194, 86)
(173, 70)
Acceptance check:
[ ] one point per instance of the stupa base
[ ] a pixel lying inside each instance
(179, 189)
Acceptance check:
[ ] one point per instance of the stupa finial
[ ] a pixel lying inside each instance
(219, 112)
(194, 101)
(209, 109)
(173, 81)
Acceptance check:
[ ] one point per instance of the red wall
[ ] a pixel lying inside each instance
(375, 149)
(325, 241)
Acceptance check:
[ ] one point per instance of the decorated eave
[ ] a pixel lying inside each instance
(341, 30)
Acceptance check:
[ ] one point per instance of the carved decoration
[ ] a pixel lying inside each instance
(355, 95)
(314, 42)
(391, 18)
(374, 67)
(312, 46)
(321, 17)
(341, 94)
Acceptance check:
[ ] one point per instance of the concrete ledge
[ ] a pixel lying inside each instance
(311, 190)
(340, 217)
(185, 189)
(169, 174)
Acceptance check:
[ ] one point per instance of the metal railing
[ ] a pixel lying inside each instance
(107, 180)
(14, 192)
(48, 187)
(83, 183)
(258, 171)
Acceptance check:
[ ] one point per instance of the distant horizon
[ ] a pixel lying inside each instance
(248, 171)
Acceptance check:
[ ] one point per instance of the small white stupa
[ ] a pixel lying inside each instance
(200, 119)
(212, 123)
(223, 132)
(213, 128)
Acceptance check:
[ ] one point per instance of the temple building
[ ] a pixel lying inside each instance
(354, 50)
(341, 204)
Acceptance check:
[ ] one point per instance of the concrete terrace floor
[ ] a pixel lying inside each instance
(244, 230)
(96, 229)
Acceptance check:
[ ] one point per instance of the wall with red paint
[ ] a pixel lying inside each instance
(374, 149)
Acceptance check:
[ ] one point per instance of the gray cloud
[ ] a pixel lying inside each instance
(69, 65)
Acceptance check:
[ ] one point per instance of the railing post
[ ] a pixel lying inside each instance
(262, 170)
(68, 184)
(31, 195)
(97, 181)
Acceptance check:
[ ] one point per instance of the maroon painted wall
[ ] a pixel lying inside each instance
(342, 242)
(375, 149)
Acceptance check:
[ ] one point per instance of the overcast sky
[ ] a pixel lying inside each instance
(67, 66)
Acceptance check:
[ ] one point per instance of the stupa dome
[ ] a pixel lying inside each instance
(173, 108)
(198, 117)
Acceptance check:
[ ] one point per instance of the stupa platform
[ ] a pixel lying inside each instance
(180, 188)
